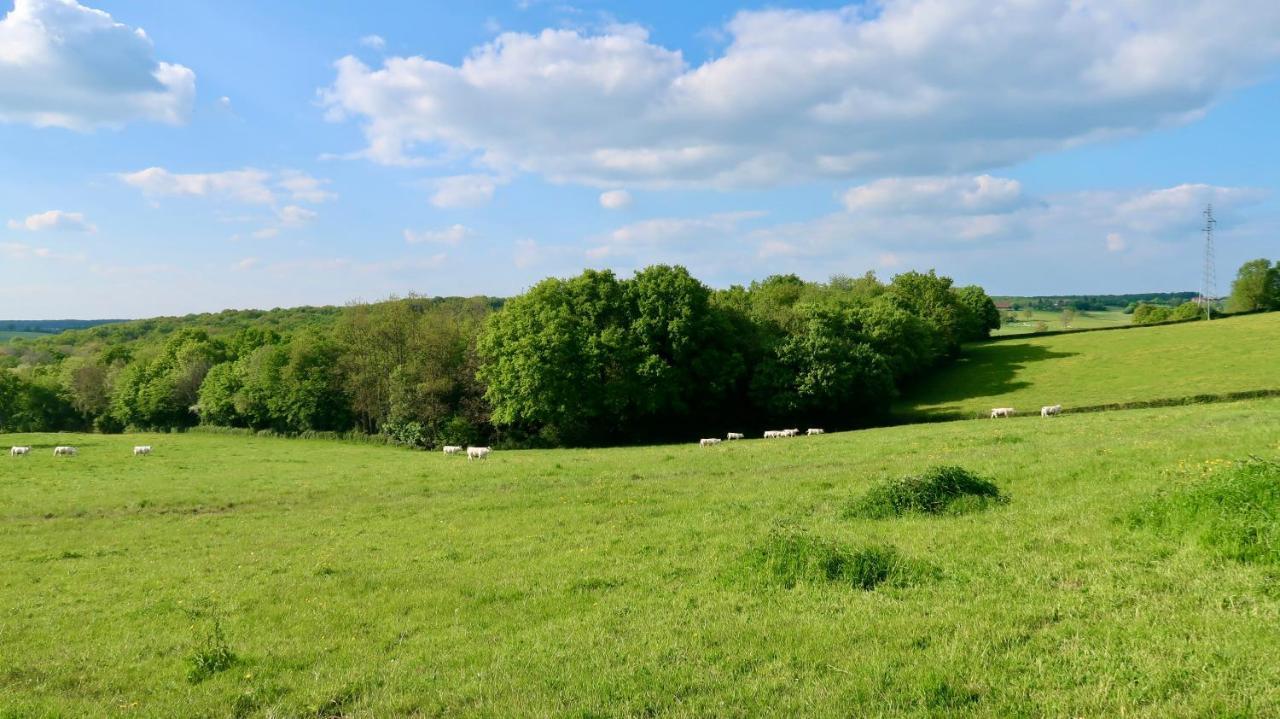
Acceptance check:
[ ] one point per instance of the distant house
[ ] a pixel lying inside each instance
(1004, 306)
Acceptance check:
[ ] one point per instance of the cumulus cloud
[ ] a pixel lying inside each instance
(463, 191)
(54, 220)
(668, 235)
(452, 235)
(249, 185)
(373, 41)
(903, 87)
(615, 199)
(979, 195)
(66, 65)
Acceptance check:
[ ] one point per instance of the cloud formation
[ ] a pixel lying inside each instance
(464, 191)
(66, 65)
(900, 87)
(452, 235)
(249, 185)
(54, 220)
(615, 199)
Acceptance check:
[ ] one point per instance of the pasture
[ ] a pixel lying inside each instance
(1081, 321)
(253, 577)
(1235, 354)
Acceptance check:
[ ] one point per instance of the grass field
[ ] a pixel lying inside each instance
(1082, 321)
(1090, 368)
(366, 581)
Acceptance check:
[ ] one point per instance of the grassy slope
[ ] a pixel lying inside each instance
(1230, 355)
(368, 581)
(1082, 321)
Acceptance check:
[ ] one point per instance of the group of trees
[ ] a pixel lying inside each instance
(1256, 287)
(586, 360)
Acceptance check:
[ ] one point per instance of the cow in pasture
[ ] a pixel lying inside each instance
(142, 449)
(815, 430)
(735, 435)
(772, 433)
(62, 451)
(1003, 412)
(478, 452)
(19, 451)
(793, 432)
(1050, 410)
(709, 442)
(452, 449)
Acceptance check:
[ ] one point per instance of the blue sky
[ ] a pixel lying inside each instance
(160, 158)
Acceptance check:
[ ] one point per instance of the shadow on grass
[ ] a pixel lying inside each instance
(985, 370)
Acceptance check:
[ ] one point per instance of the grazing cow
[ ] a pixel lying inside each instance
(141, 450)
(793, 432)
(1051, 410)
(452, 449)
(478, 452)
(815, 430)
(19, 451)
(1003, 412)
(735, 435)
(64, 451)
(772, 433)
(709, 442)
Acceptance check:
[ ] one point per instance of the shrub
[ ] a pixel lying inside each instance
(939, 490)
(1233, 514)
(213, 656)
(790, 556)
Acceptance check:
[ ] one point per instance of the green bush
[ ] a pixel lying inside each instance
(791, 556)
(1233, 514)
(939, 490)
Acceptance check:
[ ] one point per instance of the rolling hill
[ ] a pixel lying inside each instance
(1140, 364)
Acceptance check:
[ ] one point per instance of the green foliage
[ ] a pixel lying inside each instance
(790, 556)
(939, 490)
(1233, 512)
(1256, 287)
(211, 657)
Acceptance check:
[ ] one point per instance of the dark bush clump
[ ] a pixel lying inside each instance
(1233, 513)
(790, 556)
(213, 656)
(940, 490)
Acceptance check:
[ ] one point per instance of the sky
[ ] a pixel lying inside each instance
(162, 158)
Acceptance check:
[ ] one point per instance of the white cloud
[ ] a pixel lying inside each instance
(247, 263)
(54, 220)
(979, 195)
(248, 185)
(266, 233)
(615, 199)
(295, 216)
(66, 65)
(1115, 242)
(19, 251)
(224, 102)
(464, 191)
(452, 235)
(668, 235)
(900, 87)
(373, 41)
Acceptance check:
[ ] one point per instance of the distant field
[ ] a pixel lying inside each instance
(1082, 321)
(1227, 355)
(6, 335)
(365, 581)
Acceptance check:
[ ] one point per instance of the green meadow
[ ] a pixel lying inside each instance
(1236, 354)
(1081, 321)
(232, 576)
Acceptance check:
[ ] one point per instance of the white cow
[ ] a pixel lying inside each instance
(709, 442)
(141, 450)
(452, 449)
(19, 451)
(1050, 410)
(772, 433)
(815, 430)
(478, 452)
(1003, 412)
(735, 435)
(62, 451)
(793, 432)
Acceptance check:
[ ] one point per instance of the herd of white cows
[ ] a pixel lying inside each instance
(69, 451)
(1046, 411)
(483, 452)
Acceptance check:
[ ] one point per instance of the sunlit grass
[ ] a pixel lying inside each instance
(233, 576)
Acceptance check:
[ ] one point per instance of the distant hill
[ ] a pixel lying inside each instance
(15, 327)
(1141, 364)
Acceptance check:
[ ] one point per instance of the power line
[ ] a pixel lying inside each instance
(1209, 278)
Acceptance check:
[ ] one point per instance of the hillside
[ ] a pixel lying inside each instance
(242, 576)
(1092, 368)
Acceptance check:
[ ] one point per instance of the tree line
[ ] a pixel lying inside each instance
(592, 359)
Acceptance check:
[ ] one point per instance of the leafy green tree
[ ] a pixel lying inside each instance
(930, 298)
(217, 399)
(1256, 287)
(978, 313)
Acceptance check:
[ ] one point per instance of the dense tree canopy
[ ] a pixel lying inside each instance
(584, 360)
(1256, 287)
